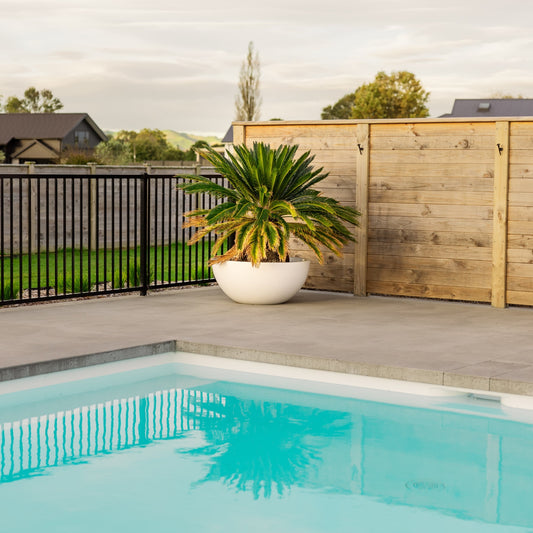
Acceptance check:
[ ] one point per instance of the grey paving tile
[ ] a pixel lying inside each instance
(465, 345)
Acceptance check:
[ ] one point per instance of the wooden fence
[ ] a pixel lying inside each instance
(447, 204)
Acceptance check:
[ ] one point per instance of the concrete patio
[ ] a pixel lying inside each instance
(450, 343)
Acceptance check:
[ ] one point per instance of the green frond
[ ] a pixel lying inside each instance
(270, 196)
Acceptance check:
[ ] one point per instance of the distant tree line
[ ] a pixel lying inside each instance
(127, 147)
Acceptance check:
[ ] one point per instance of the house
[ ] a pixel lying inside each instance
(491, 107)
(42, 137)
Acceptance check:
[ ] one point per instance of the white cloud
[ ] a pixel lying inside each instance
(131, 64)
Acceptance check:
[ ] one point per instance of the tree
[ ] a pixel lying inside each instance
(248, 100)
(34, 101)
(114, 152)
(341, 110)
(128, 147)
(398, 95)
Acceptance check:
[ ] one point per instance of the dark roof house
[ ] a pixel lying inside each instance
(492, 107)
(42, 137)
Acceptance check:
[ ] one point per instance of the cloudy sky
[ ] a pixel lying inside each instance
(175, 65)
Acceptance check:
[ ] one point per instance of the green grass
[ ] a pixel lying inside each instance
(77, 270)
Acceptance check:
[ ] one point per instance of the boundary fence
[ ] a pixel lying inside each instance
(77, 231)
(446, 203)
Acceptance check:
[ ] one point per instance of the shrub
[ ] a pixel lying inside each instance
(9, 291)
(132, 277)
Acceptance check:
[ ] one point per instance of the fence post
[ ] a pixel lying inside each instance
(93, 191)
(361, 204)
(239, 134)
(144, 234)
(499, 237)
(33, 236)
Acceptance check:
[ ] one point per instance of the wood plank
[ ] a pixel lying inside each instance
(311, 143)
(430, 224)
(521, 128)
(520, 171)
(520, 298)
(435, 157)
(423, 210)
(522, 142)
(361, 195)
(301, 130)
(337, 156)
(341, 168)
(517, 241)
(443, 238)
(522, 185)
(303, 251)
(329, 283)
(433, 142)
(521, 199)
(334, 271)
(430, 169)
(340, 181)
(521, 157)
(515, 283)
(520, 255)
(430, 250)
(466, 199)
(345, 196)
(520, 270)
(450, 264)
(429, 291)
(405, 182)
(432, 128)
(521, 213)
(499, 234)
(520, 227)
(428, 277)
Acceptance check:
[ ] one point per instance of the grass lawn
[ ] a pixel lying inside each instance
(72, 270)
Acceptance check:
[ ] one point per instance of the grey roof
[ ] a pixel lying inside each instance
(228, 138)
(42, 125)
(492, 107)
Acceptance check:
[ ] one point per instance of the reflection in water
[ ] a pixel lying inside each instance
(257, 445)
(470, 467)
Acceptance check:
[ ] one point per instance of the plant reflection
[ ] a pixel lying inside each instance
(262, 446)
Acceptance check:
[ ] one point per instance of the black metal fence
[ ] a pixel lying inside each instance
(30, 446)
(66, 235)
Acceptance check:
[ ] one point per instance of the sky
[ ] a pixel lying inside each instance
(164, 64)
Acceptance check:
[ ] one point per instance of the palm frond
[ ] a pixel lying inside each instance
(270, 195)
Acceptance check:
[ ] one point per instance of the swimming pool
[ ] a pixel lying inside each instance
(196, 444)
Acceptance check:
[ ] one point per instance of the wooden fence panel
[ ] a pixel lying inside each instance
(447, 204)
(520, 204)
(430, 232)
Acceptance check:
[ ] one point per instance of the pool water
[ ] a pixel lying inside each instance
(181, 447)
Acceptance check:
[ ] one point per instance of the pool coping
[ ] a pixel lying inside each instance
(434, 377)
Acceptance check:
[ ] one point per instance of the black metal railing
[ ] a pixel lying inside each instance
(64, 235)
(30, 446)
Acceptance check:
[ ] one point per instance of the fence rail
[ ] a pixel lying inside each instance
(66, 235)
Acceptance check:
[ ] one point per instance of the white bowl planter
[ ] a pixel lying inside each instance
(269, 283)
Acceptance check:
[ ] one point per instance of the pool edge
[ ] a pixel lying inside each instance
(497, 384)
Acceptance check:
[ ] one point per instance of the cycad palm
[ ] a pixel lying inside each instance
(270, 196)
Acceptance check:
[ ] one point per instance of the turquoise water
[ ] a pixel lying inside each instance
(170, 448)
